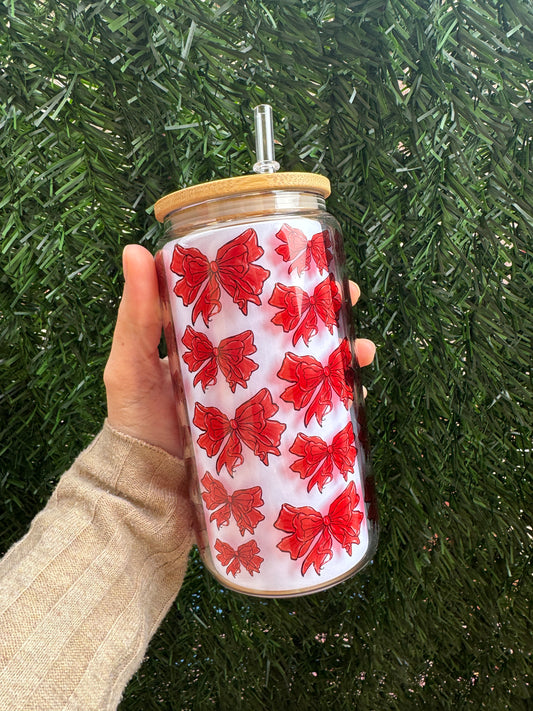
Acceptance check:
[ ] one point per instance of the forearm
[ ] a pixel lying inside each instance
(83, 592)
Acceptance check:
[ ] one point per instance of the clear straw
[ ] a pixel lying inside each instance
(264, 140)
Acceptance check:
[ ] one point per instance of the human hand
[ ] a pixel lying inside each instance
(140, 395)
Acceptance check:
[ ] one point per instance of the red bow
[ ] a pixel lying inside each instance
(250, 425)
(369, 493)
(294, 303)
(230, 357)
(310, 376)
(242, 504)
(317, 458)
(245, 555)
(304, 524)
(363, 430)
(297, 248)
(232, 270)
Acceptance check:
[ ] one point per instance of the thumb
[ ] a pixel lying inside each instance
(138, 328)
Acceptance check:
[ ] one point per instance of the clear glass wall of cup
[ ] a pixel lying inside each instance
(255, 298)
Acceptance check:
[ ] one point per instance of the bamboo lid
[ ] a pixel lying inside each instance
(310, 182)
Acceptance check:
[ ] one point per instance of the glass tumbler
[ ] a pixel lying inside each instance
(255, 299)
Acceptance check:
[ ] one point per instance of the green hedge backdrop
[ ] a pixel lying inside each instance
(421, 115)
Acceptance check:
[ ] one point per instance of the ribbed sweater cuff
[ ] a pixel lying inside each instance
(82, 593)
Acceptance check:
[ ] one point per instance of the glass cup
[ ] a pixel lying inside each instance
(255, 298)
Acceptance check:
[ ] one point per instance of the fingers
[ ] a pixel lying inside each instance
(365, 351)
(138, 327)
(355, 292)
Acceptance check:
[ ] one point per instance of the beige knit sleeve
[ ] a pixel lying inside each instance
(82, 593)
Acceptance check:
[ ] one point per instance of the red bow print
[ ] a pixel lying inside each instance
(251, 425)
(296, 248)
(304, 524)
(317, 459)
(245, 555)
(369, 491)
(242, 504)
(232, 270)
(363, 430)
(313, 382)
(230, 357)
(294, 303)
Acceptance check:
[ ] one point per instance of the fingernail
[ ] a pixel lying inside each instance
(125, 263)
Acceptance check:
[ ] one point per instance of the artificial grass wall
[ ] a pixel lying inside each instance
(420, 114)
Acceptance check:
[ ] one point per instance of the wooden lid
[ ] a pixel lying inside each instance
(236, 186)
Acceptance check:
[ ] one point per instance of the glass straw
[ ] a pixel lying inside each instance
(264, 140)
